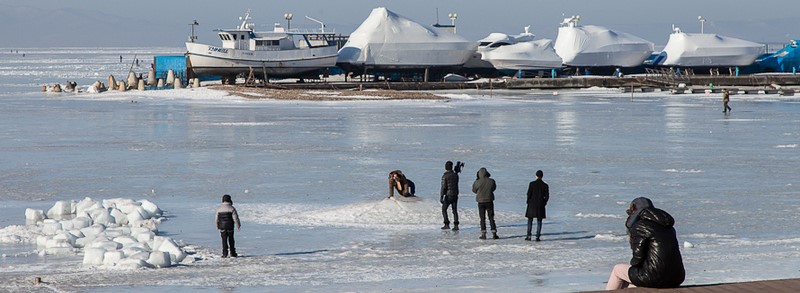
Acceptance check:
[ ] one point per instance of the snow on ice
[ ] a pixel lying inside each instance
(117, 232)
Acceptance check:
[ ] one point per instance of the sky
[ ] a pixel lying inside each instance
(143, 23)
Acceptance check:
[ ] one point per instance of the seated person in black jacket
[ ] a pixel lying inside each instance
(656, 261)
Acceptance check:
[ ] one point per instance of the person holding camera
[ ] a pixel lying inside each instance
(399, 182)
(448, 194)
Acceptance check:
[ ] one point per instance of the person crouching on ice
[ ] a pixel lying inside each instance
(226, 218)
(399, 182)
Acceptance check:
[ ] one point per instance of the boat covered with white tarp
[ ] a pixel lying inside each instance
(386, 40)
(705, 50)
(529, 55)
(597, 46)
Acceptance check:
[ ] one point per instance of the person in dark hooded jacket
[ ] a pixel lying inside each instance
(656, 261)
(484, 194)
(448, 195)
(226, 218)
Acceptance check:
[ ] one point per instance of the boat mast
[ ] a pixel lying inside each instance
(245, 25)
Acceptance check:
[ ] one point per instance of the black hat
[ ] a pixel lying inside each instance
(226, 198)
(448, 166)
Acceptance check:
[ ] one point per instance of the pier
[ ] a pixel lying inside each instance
(751, 84)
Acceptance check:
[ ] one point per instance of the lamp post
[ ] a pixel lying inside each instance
(453, 17)
(702, 24)
(288, 17)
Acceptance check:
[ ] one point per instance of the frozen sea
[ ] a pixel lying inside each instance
(310, 180)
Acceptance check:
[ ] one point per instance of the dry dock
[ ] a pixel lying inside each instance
(754, 84)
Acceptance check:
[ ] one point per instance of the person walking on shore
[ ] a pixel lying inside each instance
(726, 98)
(484, 188)
(226, 218)
(538, 195)
(448, 195)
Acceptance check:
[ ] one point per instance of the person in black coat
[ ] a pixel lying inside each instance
(656, 261)
(448, 195)
(538, 195)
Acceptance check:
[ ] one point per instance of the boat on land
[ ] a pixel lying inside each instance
(707, 50)
(521, 53)
(388, 42)
(597, 46)
(270, 54)
(478, 65)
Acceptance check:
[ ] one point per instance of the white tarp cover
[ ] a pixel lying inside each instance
(388, 39)
(709, 50)
(531, 55)
(591, 45)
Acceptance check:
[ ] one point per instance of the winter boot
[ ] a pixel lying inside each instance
(483, 235)
(455, 227)
(446, 226)
(528, 238)
(494, 235)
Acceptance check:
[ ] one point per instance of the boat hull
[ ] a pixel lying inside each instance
(208, 60)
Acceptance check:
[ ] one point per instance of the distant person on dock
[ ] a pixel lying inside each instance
(226, 218)
(120, 58)
(656, 261)
(538, 195)
(484, 188)
(726, 98)
(448, 194)
(399, 182)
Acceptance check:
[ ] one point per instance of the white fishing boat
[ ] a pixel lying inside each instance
(277, 53)
(597, 46)
(707, 50)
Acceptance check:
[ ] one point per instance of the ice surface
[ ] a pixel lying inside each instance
(304, 176)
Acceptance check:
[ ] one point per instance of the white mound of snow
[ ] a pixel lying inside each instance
(118, 232)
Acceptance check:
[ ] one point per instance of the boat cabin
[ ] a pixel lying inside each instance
(247, 40)
(244, 37)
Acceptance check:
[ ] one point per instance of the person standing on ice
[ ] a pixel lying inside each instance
(448, 195)
(484, 188)
(656, 261)
(226, 218)
(538, 195)
(399, 182)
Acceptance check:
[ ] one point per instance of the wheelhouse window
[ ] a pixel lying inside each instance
(268, 43)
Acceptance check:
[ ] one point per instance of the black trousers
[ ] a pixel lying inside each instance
(483, 209)
(228, 242)
(446, 204)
